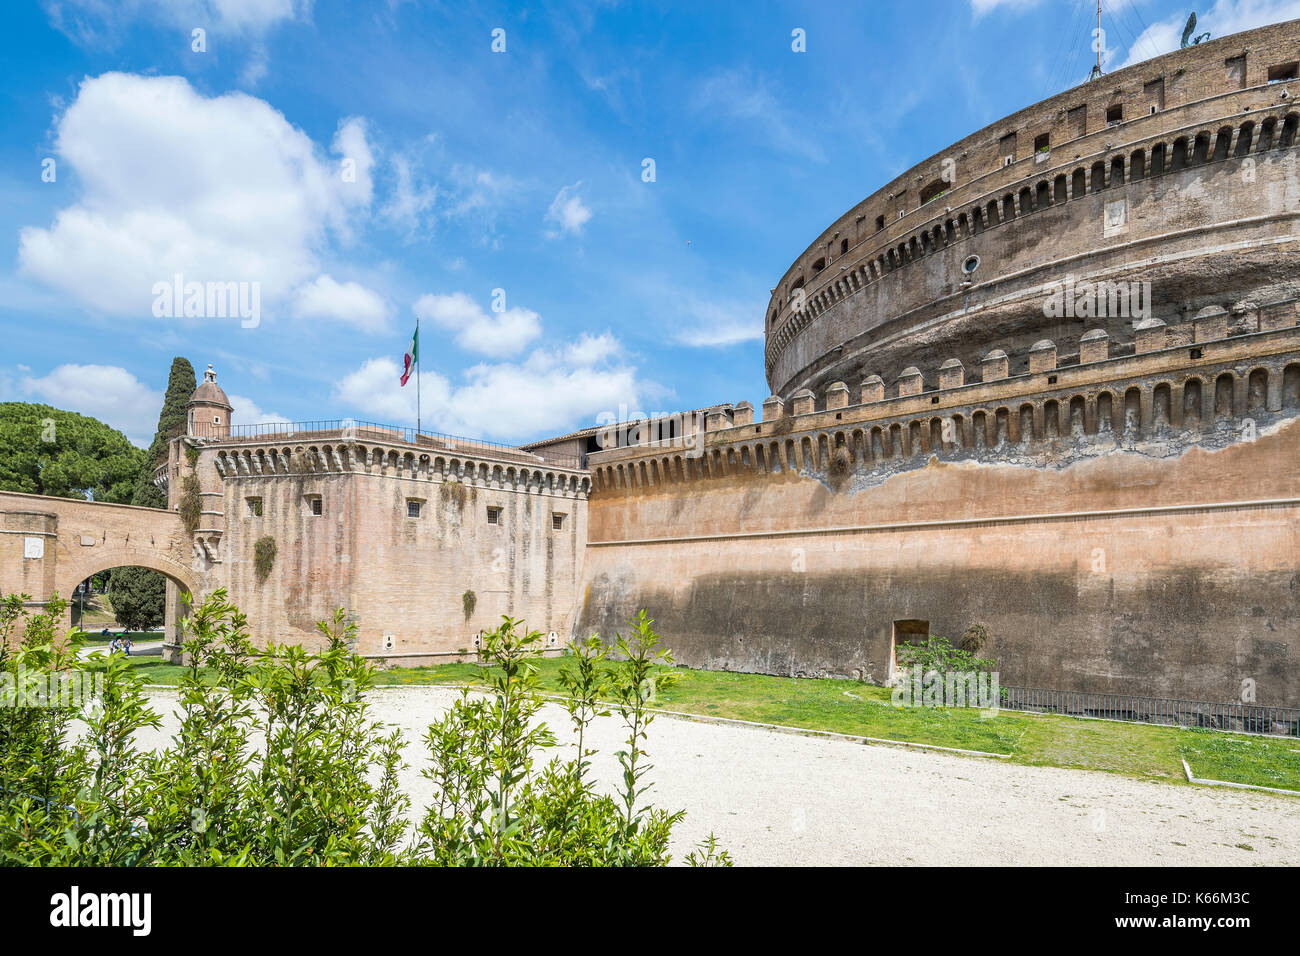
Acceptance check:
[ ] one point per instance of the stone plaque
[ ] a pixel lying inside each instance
(1115, 218)
(87, 541)
(33, 547)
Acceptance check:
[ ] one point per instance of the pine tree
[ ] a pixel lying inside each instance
(139, 596)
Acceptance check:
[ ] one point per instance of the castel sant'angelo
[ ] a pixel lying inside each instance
(1047, 380)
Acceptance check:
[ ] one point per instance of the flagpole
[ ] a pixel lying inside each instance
(417, 379)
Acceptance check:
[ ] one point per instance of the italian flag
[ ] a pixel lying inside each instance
(412, 356)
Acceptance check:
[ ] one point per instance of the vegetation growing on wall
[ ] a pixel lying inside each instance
(469, 600)
(938, 654)
(323, 789)
(453, 492)
(975, 639)
(191, 503)
(841, 464)
(264, 556)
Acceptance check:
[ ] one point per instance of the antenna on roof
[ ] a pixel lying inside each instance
(1098, 44)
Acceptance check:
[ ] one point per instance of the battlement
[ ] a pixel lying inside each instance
(1173, 387)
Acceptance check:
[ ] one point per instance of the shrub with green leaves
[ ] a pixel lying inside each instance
(278, 761)
(938, 654)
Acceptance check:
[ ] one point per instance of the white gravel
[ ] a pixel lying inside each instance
(775, 798)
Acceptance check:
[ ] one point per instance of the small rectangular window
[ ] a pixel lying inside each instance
(557, 521)
(880, 223)
(412, 508)
(317, 506)
(1043, 143)
(493, 515)
(1283, 72)
(254, 507)
(1115, 114)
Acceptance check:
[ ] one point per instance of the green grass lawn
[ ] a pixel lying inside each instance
(848, 707)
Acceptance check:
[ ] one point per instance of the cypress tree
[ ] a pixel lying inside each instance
(171, 422)
(139, 596)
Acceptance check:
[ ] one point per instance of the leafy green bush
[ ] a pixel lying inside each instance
(278, 761)
(938, 654)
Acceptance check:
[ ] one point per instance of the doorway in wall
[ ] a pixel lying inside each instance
(906, 633)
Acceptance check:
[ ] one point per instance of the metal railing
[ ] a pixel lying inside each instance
(351, 429)
(1243, 718)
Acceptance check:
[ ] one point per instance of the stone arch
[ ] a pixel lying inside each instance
(181, 579)
(1001, 426)
(1051, 419)
(1257, 391)
(1137, 166)
(1105, 413)
(1078, 183)
(1061, 188)
(1181, 157)
(1025, 429)
(1098, 176)
(1161, 406)
(1078, 416)
(1133, 411)
(1201, 148)
(1193, 413)
(1267, 130)
(1289, 130)
(1291, 386)
(1222, 144)
(1223, 399)
(1244, 137)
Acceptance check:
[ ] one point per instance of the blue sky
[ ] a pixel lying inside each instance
(358, 162)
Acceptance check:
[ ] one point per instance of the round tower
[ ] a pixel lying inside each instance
(209, 409)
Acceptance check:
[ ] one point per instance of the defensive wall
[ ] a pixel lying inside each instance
(1126, 524)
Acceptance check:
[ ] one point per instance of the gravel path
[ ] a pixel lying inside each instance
(775, 798)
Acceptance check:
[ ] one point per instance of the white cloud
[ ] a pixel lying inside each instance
(99, 21)
(499, 334)
(348, 302)
(713, 325)
(218, 189)
(551, 391)
(409, 202)
(567, 212)
(246, 412)
(1224, 18)
(111, 394)
(981, 7)
(745, 99)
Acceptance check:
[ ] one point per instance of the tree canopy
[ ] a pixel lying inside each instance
(47, 451)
